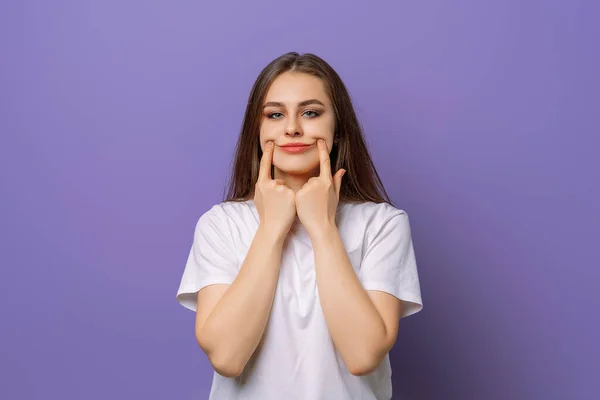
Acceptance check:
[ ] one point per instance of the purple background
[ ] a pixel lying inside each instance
(118, 121)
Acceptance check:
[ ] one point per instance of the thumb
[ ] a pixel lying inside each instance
(337, 180)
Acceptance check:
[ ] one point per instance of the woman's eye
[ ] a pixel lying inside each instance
(275, 115)
(311, 114)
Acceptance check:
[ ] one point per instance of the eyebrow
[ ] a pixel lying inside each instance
(301, 104)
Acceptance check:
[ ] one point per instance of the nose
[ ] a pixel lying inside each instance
(292, 128)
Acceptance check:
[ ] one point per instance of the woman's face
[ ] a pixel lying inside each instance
(297, 110)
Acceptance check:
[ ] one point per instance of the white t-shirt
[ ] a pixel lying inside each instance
(297, 358)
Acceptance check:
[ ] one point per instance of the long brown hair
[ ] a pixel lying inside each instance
(361, 183)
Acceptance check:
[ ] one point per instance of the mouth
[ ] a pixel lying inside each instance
(295, 147)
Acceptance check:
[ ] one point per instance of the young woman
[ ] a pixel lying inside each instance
(300, 277)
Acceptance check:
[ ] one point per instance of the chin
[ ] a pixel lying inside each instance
(297, 171)
(297, 168)
(296, 165)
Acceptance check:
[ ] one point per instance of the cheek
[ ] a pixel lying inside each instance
(323, 129)
(267, 133)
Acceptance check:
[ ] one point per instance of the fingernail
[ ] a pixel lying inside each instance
(269, 144)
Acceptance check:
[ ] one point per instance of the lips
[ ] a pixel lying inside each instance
(295, 147)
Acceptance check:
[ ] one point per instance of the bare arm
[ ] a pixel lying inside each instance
(363, 325)
(231, 319)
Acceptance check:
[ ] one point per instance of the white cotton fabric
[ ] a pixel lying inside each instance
(297, 358)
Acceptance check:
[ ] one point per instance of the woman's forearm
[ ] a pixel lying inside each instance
(235, 326)
(355, 325)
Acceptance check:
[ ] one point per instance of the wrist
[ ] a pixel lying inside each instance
(274, 236)
(323, 233)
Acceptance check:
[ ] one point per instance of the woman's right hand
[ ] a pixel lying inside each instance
(274, 201)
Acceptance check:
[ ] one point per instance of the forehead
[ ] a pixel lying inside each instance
(294, 87)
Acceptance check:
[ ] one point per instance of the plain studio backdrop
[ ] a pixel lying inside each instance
(118, 121)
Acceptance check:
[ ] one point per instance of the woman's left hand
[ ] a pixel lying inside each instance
(317, 201)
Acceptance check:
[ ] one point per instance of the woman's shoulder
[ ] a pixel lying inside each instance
(234, 209)
(371, 211)
(372, 218)
(229, 214)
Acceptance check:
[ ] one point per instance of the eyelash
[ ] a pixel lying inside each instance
(316, 114)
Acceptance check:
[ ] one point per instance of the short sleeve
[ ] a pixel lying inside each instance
(389, 264)
(211, 259)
